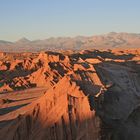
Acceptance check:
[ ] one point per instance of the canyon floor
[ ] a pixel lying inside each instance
(70, 95)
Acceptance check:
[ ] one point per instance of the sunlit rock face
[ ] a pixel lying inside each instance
(86, 95)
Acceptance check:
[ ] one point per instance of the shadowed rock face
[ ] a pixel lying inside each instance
(118, 108)
(61, 89)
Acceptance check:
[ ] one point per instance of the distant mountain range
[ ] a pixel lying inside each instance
(110, 40)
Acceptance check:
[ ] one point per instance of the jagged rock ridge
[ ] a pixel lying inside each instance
(51, 92)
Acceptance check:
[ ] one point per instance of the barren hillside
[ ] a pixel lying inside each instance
(111, 40)
(70, 95)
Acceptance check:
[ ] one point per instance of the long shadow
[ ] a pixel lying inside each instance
(86, 84)
(58, 67)
(102, 54)
(7, 75)
(109, 54)
(6, 100)
(10, 109)
(126, 128)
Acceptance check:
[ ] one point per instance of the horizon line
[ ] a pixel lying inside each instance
(71, 36)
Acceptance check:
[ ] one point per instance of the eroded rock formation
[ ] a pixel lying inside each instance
(87, 95)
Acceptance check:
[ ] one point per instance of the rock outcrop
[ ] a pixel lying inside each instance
(87, 95)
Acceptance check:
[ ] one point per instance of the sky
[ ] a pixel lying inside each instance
(40, 19)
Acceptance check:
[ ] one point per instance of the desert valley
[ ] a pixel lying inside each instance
(71, 94)
(70, 70)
